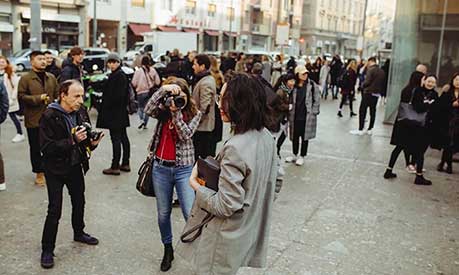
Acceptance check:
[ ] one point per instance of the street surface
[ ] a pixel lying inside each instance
(335, 215)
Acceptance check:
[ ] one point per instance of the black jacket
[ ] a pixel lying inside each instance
(113, 112)
(70, 71)
(53, 69)
(4, 103)
(60, 151)
(374, 80)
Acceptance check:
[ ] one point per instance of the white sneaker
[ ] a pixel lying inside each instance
(300, 161)
(411, 169)
(2, 186)
(290, 159)
(18, 138)
(369, 132)
(357, 132)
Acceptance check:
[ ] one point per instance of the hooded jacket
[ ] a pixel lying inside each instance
(70, 71)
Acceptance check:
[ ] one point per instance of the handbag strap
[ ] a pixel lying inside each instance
(147, 76)
(197, 230)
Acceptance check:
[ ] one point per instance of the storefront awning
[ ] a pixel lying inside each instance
(139, 29)
(231, 34)
(212, 33)
(191, 30)
(58, 17)
(167, 29)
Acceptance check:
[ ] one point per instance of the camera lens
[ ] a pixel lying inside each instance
(179, 102)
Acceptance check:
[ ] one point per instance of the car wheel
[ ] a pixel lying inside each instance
(20, 68)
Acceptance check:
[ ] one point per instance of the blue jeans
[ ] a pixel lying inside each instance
(17, 123)
(142, 100)
(164, 179)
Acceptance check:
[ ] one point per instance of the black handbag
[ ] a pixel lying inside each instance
(407, 113)
(208, 175)
(145, 180)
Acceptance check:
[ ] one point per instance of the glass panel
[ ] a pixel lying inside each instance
(416, 40)
(449, 62)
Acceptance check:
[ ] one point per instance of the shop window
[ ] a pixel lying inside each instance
(212, 10)
(138, 3)
(190, 7)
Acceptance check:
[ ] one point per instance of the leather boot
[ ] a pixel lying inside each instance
(389, 174)
(112, 171)
(420, 180)
(168, 257)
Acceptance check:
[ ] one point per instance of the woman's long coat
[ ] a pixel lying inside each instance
(312, 110)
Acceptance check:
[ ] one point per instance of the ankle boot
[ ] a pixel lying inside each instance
(389, 174)
(420, 180)
(168, 257)
(440, 166)
(340, 114)
(449, 169)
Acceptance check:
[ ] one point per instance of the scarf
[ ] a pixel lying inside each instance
(70, 119)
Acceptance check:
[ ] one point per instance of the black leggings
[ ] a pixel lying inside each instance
(298, 133)
(345, 97)
(280, 141)
(409, 159)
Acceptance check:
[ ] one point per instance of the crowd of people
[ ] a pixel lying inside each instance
(191, 97)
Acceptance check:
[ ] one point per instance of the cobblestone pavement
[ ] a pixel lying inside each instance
(335, 215)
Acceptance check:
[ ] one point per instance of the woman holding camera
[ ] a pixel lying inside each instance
(238, 234)
(172, 146)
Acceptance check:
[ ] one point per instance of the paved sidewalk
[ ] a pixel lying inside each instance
(335, 215)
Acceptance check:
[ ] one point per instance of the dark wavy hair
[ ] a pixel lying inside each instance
(244, 101)
(451, 83)
(414, 82)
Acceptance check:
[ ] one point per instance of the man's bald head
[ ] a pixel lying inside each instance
(421, 68)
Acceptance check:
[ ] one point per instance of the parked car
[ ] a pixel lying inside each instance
(21, 59)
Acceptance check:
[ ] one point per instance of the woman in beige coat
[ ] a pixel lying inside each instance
(238, 235)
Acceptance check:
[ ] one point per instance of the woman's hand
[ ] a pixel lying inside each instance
(194, 178)
(173, 89)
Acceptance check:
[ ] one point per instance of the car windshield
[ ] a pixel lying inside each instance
(20, 53)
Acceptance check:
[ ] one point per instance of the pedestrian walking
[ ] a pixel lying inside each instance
(315, 70)
(51, 66)
(267, 68)
(305, 102)
(324, 78)
(10, 81)
(423, 99)
(447, 138)
(114, 115)
(276, 70)
(372, 88)
(36, 89)
(145, 80)
(402, 131)
(284, 89)
(385, 68)
(336, 69)
(204, 95)
(172, 147)
(4, 106)
(238, 234)
(72, 68)
(65, 144)
(291, 65)
(347, 86)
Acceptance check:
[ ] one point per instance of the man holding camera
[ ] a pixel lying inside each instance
(66, 141)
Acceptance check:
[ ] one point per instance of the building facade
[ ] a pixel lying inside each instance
(379, 26)
(425, 31)
(63, 24)
(332, 26)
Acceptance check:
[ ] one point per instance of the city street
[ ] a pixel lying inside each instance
(335, 215)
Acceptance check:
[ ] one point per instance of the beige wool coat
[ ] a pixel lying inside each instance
(204, 95)
(238, 235)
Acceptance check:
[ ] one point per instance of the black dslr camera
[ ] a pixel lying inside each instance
(179, 101)
(91, 133)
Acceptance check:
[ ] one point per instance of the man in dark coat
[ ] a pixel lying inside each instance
(66, 147)
(71, 68)
(51, 64)
(114, 115)
(336, 68)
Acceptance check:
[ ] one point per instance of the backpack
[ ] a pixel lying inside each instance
(132, 105)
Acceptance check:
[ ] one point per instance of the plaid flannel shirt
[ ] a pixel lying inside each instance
(184, 147)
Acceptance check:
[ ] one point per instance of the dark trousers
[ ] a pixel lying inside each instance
(345, 97)
(35, 155)
(370, 101)
(17, 123)
(298, 134)
(120, 139)
(447, 157)
(74, 181)
(280, 141)
(204, 144)
(409, 159)
(2, 170)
